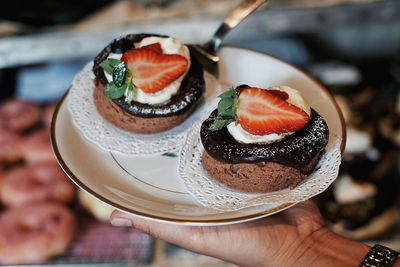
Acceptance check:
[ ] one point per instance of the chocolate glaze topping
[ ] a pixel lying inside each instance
(295, 150)
(189, 94)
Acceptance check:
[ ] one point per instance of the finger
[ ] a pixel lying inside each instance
(119, 219)
(172, 233)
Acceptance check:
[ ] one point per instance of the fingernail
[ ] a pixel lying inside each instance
(121, 222)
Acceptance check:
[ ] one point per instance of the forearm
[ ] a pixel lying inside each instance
(330, 249)
(325, 248)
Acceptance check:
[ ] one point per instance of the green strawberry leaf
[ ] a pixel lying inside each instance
(111, 90)
(231, 93)
(128, 90)
(219, 124)
(109, 64)
(226, 113)
(122, 80)
(226, 110)
(170, 154)
(119, 74)
(224, 104)
(128, 83)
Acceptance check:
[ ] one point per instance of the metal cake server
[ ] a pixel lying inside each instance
(207, 53)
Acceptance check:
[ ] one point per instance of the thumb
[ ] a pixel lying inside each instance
(172, 233)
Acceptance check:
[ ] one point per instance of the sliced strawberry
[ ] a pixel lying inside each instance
(281, 94)
(152, 71)
(239, 89)
(156, 47)
(261, 112)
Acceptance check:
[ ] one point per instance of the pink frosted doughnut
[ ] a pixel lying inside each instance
(32, 234)
(9, 147)
(35, 183)
(18, 115)
(36, 147)
(2, 172)
(47, 114)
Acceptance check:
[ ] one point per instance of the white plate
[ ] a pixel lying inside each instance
(149, 186)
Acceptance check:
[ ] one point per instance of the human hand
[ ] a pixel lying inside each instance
(291, 237)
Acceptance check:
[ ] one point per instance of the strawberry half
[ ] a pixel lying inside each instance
(151, 70)
(281, 94)
(261, 112)
(156, 47)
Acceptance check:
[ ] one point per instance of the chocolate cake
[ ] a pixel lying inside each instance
(262, 166)
(146, 118)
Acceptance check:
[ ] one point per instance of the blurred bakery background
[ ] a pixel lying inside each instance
(350, 46)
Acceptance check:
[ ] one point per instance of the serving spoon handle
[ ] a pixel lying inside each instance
(207, 53)
(234, 17)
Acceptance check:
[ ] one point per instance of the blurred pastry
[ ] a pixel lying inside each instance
(95, 207)
(361, 203)
(359, 145)
(47, 114)
(346, 82)
(360, 210)
(2, 173)
(35, 183)
(338, 77)
(18, 115)
(36, 147)
(389, 125)
(32, 234)
(10, 151)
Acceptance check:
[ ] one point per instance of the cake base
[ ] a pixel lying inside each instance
(135, 124)
(262, 177)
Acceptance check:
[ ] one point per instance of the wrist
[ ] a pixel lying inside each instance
(325, 248)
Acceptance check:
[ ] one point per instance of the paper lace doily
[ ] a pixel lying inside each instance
(108, 137)
(214, 195)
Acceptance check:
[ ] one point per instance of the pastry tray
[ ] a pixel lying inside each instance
(99, 242)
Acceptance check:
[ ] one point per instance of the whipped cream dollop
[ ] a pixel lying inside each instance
(169, 45)
(294, 97)
(242, 136)
(346, 190)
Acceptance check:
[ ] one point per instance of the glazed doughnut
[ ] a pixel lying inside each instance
(36, 147)
(32, 234)
(18, 115)
(2, 172)
(9, 147)
(47, 114)
(35, 183)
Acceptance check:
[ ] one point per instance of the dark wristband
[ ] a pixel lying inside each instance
(379, 256)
